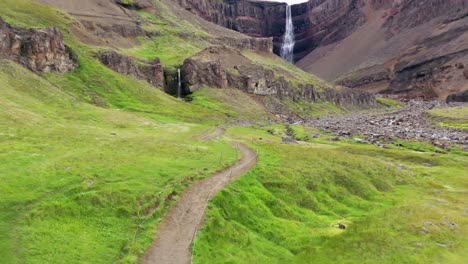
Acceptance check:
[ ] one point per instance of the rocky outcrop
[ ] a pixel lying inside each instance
(40, 50)
(423, 78)
(363, 77)
(223, 67)
(148, 70)
(458, 97)
(135, 4)
(256, 44)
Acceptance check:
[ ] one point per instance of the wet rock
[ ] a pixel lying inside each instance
(40, 50)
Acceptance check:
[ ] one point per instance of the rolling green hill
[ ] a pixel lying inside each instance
(91, 161)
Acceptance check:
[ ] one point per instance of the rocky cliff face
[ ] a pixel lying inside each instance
(316, 22)
(40, 50)
(148, 70)
(377, 31)
(223, 67)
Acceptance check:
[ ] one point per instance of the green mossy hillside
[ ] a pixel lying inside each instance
(287, 208)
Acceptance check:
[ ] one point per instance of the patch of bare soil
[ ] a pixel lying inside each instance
(104, 22)
(180, 226)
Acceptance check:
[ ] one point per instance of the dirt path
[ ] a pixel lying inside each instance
(178, 229)
(218, 132)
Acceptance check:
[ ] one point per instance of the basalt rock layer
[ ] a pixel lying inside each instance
(336, 37)
(223, 67)
(316, 22)
(40, 50)
(148, 70)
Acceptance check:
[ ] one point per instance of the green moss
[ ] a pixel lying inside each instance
(454, 117)
(388, 102)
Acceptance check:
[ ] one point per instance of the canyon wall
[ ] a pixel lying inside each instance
(362, 43)
(316, 22)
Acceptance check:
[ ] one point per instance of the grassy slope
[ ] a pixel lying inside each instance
(176, 40)
(284, 210)
(231, 102)
(455, 117)
(80, 183)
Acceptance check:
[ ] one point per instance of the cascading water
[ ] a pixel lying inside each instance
(179, 83)
(287, 49)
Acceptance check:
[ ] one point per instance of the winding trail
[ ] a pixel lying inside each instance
(180, 226)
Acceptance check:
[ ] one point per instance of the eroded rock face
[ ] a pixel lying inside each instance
(149, 70)
(257, 44)
(458, 97)
(41, 50)
(223, 67)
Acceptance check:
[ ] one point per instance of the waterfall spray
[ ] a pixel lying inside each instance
(287, 49)
(179, 83)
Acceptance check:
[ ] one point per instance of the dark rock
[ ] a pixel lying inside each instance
(341, 226)
(41, 50)
(224, 67)
(257, 44)
(135, 4)
(148, 70)
(458, 97)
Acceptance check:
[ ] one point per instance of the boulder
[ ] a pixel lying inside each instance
(40, 50)
(458, 97)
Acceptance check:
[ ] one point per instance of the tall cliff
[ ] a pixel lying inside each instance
(366, 44)
(316, 22)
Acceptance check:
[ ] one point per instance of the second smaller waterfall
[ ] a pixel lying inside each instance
(287, 49)
(179, 84)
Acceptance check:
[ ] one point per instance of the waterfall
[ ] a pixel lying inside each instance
(179, 83)
(287, 49)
